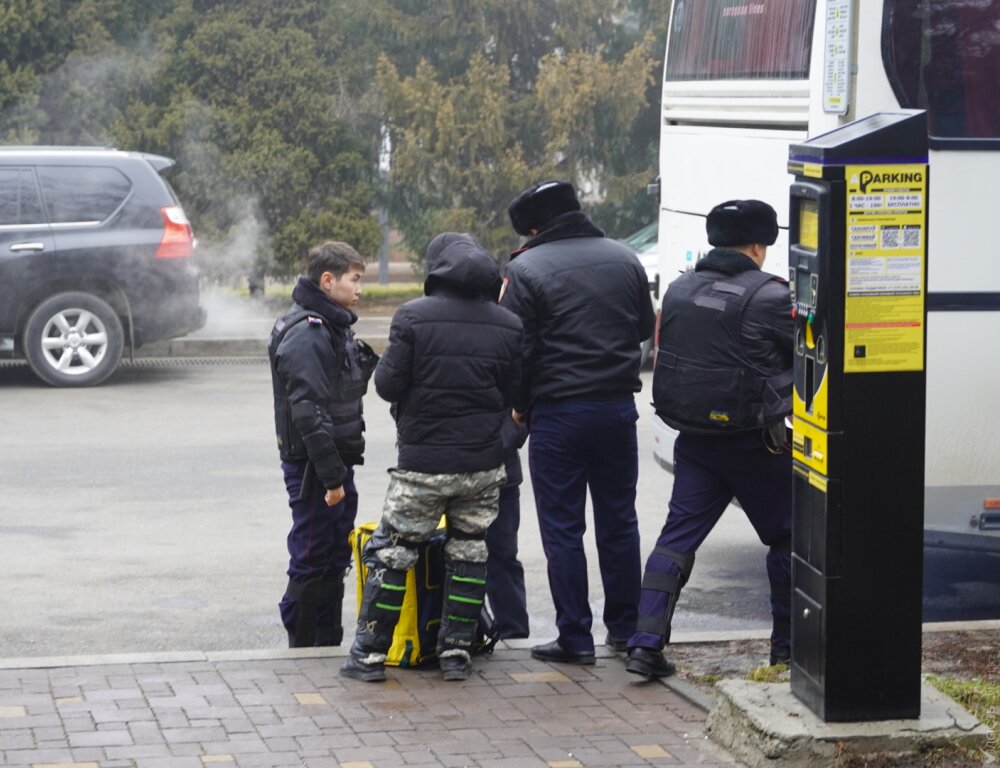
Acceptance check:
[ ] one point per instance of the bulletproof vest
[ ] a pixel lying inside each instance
(704, 381)
(355, 362)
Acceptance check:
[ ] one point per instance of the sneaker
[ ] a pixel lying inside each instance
(455, 667)
(648, 663)
(358, 670)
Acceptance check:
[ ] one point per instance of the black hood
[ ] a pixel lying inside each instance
(458, 265)
(308, 295)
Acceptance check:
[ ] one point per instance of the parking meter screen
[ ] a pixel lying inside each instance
(803, 288)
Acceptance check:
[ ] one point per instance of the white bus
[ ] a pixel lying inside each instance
(745, 78)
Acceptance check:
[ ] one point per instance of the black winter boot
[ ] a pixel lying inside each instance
(381, 603)
(464, 596)
(648, 663)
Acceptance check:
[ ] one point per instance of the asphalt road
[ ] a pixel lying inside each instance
(149, 515)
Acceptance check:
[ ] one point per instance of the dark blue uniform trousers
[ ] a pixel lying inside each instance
(576, 444)
(504, 572)
(318, 542)
(709, 470)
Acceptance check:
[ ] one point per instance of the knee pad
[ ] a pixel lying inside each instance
(388, 548)
(668, 583)
(465, 547)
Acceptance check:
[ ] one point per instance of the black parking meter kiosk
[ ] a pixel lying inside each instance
(857, 271)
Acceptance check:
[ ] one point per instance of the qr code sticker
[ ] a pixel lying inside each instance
(890, 237)
(911, 237)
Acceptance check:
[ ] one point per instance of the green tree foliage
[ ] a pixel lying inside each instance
(242, 94)
(247, 104)
(493, 95)
(454, 160)
(276, 111)
(590, 107)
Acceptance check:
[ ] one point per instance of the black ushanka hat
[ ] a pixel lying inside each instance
(742, 222)
(539, 204)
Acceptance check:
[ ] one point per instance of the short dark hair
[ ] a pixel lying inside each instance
(332, 256)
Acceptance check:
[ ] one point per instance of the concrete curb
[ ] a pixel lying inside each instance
(194, 347)
(259, 654)
(764, 725)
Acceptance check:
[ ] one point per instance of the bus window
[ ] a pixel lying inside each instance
(740, 39)
(944, 56)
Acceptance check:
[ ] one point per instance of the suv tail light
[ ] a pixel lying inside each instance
(177, 241)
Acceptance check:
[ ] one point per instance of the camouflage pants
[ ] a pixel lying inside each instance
(414, 504)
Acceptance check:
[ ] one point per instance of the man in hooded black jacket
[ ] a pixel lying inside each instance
(319, 374)
(450, 370)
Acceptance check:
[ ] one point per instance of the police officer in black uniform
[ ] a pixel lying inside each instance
(584, 300)
(319, 373)
(723, 379)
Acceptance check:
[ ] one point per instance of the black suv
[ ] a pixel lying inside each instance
(96, 257)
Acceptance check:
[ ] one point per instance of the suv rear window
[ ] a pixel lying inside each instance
(82, 193)
(19, 200)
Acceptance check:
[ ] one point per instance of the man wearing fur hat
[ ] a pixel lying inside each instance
(723, 379)
(584, 301)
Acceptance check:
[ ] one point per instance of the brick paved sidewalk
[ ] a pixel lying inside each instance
(293, 710)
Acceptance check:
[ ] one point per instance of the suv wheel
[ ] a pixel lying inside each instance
(73, 340)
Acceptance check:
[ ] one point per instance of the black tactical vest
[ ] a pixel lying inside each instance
(704, 381)
(355, 364)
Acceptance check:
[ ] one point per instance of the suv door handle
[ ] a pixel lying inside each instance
(28, 247)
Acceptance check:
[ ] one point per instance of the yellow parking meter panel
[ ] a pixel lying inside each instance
(810, 446)
(885, 268)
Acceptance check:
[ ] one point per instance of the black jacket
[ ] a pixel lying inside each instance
(319, 374)
(452, 363)
(726, 346)
(584, 301)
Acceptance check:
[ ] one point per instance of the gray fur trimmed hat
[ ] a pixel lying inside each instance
(742, 222)
(540, 203)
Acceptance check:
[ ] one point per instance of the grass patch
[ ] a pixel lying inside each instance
(390, 294)
(980, 697)
(768, 674)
